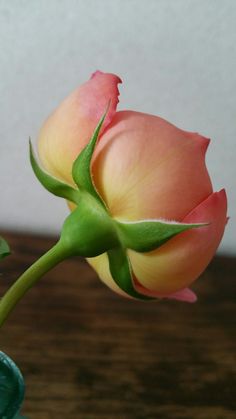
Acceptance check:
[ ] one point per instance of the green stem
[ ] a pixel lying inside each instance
(46, 262)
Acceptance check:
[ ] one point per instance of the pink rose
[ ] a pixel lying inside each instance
(144, 168)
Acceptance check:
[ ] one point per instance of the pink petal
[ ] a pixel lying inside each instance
(94, 96)
(184, 295)
(72, 124)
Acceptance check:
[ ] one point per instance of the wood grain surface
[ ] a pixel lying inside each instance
(87, 353)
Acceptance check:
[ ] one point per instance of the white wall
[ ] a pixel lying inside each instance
(177, 59)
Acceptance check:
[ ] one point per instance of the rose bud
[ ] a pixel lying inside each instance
(146, 219)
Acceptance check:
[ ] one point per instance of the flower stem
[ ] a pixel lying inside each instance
(46, 262)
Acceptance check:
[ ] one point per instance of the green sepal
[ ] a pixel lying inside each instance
(53, 185)
(121, 273)
(88, 231)
(144, 236)
(11, 388)
(81, 171)
(4, 248)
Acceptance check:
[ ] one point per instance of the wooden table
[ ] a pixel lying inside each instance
(87, 353)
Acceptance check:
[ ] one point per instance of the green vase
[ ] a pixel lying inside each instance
(12, 388)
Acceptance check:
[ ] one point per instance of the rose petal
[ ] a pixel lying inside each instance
(101, 265)
(185, 294)
(70, 127)
(145, 168)
(176, 264)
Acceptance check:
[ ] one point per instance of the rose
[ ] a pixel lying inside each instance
(144, 168)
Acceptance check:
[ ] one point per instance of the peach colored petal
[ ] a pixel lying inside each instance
(145, 167)
(101, 266)
(69, 128)
(164, 273)
(176, 264)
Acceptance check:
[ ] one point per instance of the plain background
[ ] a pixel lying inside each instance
(177, 59)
